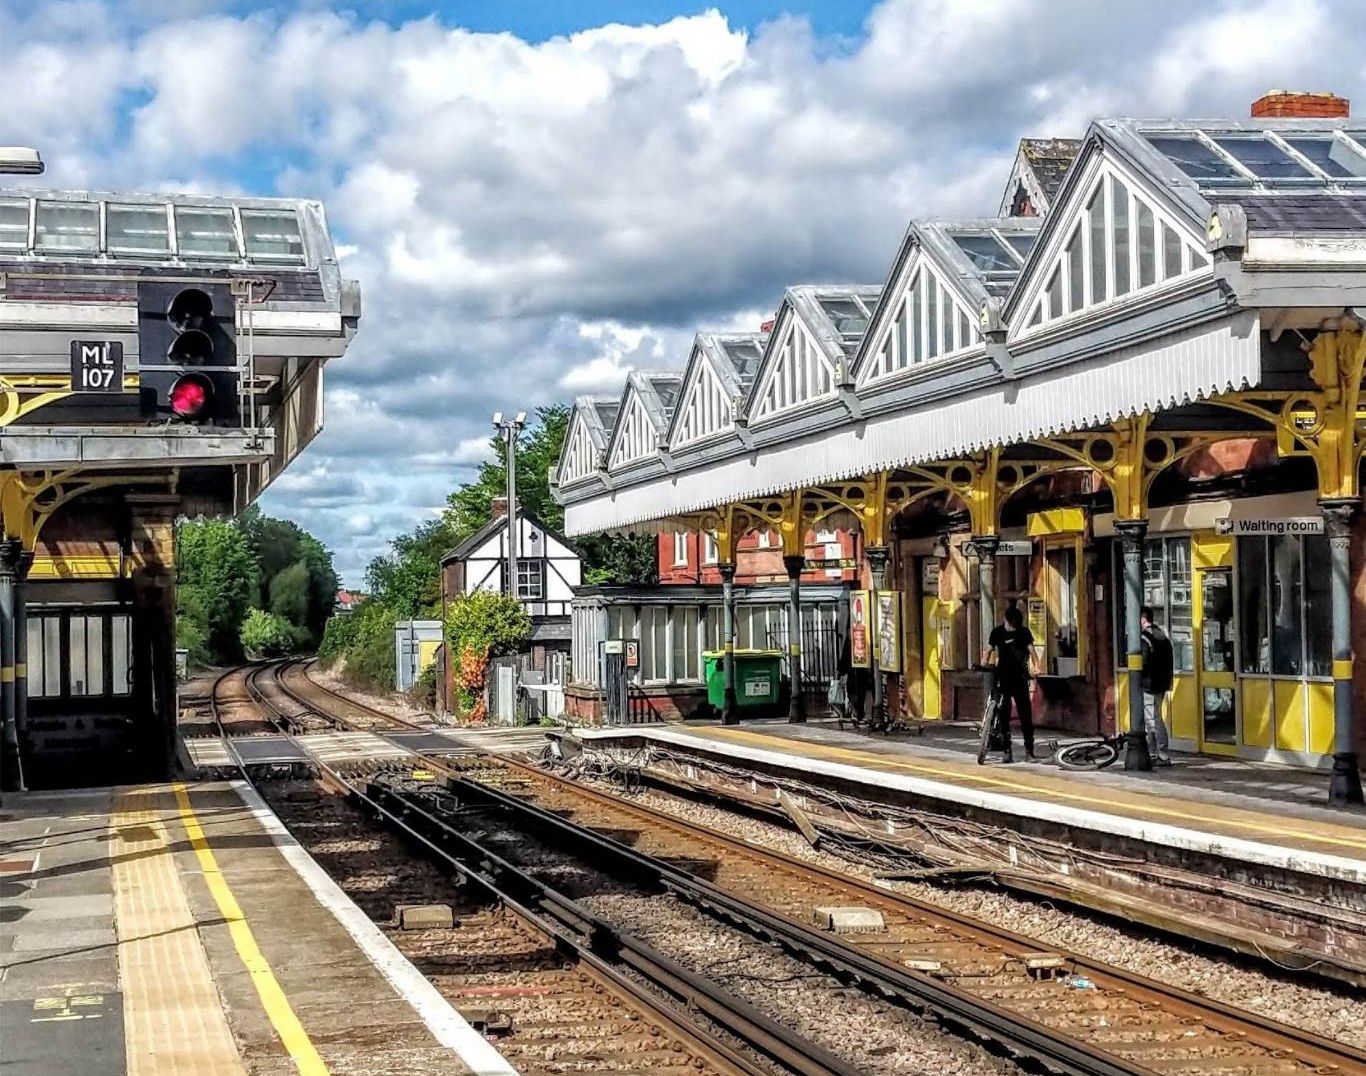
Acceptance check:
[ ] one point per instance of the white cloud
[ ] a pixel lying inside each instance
(532, 221)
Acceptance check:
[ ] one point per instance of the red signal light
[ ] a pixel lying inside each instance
(190, 395)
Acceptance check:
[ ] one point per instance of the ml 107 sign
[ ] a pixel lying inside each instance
(96, 366)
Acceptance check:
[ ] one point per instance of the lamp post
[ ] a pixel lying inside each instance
(508, 429)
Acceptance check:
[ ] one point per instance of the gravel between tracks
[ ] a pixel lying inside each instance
(1321, 1009)
(876, 1036)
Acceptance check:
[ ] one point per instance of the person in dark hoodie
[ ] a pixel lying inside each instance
(1157, 682)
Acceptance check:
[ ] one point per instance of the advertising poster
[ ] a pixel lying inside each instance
(859, 650)
(887, 630)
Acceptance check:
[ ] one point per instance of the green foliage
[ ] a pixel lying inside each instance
(289, 594)
(218, 579)
(266, 634)
(364, 641)
(486, 624)
(423, 691)
(192, 625)
(408, 580)
(620, 559)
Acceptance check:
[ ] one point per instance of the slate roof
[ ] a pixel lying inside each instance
(1050, 158)
(1301, 212)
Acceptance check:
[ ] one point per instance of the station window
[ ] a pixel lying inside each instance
(1284, 611)
(684, 644)
(137, 229)
(680, 549)
(79, 655)
(709, 551)
(1167, 590)
(13, 224)
(272, 235)
(531, 579)
(205, 232)
(68, 227)
(1061, 640)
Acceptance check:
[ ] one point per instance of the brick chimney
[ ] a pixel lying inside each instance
(498, 508)
(1295, 104)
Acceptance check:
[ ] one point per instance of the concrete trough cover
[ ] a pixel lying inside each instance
(205, 751)
(256, 750)
(849, 919)
(426, 742)
(424, 916)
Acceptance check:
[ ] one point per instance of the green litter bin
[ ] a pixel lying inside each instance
(758, 677)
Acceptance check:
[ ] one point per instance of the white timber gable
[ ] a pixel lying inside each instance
(1112, 242)
(635, 437)
(580, 458)
(706, 409)
(796, 373)
(547, 569)
(925, 319)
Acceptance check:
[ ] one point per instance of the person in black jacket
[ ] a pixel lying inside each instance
(1010, 650)
(1156, 679)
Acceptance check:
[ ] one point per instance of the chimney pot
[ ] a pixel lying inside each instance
(1296, 104)
(498, 508)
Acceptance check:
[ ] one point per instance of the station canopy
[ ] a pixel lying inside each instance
(1171, 252)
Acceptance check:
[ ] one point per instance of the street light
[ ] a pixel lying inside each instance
(509, 430)
(20, 161)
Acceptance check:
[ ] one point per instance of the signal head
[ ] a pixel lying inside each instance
(190, 395)
(190, 309)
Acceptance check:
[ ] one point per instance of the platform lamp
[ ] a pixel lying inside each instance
(14, 161)
(509, 429)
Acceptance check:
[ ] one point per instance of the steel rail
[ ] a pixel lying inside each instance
(582, 936)
(1312, 1049)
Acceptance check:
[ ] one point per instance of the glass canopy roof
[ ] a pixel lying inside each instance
(125, 227)
(849, 314)
(1298, 158)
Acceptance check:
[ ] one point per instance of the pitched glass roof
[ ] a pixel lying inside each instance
(849, 314)
(745, 356)
(1266, 157)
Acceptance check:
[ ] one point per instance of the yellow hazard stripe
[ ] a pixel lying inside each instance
(1135, 663)
(1342, 668)
(6, 673)
(292, 1034)
(21, 671)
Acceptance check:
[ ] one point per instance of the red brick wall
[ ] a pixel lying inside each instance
(754, 563)
(1279, 104)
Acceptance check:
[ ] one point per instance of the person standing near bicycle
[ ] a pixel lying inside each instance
(1156, 679)
(1010, 648)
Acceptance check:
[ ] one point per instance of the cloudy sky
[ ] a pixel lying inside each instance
(538, 197)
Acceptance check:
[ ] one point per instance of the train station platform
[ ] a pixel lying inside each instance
(179, 928)
(1259, 815)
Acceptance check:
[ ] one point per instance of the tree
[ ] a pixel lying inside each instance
(627, 560)
(408, 580)
(266, 634)
(479, 626)
(279, 545)
(290, 597)
(217, 582)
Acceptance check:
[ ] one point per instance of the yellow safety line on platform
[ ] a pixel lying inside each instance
(173, 1020)
(1091, 798)
(273, 999)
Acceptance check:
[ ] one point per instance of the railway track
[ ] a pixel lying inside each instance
(1060, 1008)
(1065, 1012)
(573, 994)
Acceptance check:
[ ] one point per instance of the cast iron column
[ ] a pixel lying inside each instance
(984, 547)
(21, 648)
(796, 707)
(728, 711)
(877, 568)
(11, 775)
(1344, 788)
(1131, 534)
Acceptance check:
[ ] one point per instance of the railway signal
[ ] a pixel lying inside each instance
(188, 353)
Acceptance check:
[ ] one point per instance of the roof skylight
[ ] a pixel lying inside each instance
(1262, 157)
(987, 253)
(1199, 160)
(1296, 158)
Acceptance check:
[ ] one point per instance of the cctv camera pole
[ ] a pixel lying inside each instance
(509, 430)
(510, 461)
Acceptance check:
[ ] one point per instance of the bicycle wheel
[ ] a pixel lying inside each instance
(988, 724)
(1086, 755)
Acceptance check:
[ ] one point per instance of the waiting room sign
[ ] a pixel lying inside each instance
(1274, 526)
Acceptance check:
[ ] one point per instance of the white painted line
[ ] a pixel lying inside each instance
(445, 1023)
(1239, 848)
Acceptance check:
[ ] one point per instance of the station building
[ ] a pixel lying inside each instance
(160, 356)
(1139, 385)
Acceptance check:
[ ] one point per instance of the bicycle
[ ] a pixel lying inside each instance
(990, 728)
(1091, 753)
